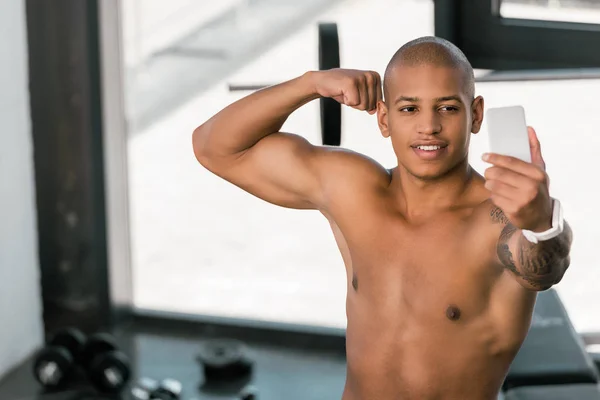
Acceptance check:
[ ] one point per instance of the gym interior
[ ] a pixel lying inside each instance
(119, 250)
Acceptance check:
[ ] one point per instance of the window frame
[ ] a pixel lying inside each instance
(493, 42)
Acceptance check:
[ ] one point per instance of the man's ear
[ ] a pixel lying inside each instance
(477, 114)
(382, 118)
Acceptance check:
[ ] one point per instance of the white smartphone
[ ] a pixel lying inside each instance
(507, 132)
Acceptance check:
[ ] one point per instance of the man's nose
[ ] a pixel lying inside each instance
(429, 123)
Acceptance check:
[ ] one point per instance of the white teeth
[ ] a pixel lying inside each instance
(429, 148)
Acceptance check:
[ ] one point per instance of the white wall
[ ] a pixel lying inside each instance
(21, 327)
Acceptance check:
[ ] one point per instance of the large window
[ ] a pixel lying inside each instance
(201, 245)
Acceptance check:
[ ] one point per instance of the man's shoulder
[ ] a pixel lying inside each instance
(341, 166)
(352, 182)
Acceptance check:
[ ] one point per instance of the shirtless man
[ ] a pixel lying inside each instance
(441, 279)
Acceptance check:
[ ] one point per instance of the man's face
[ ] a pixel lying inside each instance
(429, 118)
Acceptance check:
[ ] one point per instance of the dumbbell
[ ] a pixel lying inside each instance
(169, 389)
(249, 393)
(107, 368)
(149, 389)
(331, 110)
(55, 363)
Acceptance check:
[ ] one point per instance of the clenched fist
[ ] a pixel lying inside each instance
(357, 89)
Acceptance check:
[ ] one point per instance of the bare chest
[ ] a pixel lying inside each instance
(441, 268)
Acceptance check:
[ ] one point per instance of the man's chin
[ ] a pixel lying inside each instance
(429, 177)
(428, 174)
(434, 171)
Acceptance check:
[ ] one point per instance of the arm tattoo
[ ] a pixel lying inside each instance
(503, 250)
(541, 265)
(498, 216)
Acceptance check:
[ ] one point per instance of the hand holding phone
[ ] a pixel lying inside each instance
(520, 188)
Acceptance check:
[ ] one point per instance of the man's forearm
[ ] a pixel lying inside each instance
(541, 264)
(242, 124)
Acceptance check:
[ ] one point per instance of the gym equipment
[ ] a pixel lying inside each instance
(143, 388)
(331, 110)
(55, 363)
(553, 353)
(107, 368)
(249, 393)
(555, 392)
(224, 360)
(169, 389)
(596, 358)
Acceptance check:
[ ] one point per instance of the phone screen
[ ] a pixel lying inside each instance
(507, 130)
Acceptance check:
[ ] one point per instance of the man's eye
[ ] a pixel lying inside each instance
(449, 108)
(408, 109)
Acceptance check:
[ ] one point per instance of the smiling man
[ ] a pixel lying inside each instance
(443, 265)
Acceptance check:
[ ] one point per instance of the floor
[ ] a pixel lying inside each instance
(295, 365)
(279, 371)
(201, 245)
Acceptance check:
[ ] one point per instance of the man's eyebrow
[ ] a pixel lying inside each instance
(437, 100)
(448, 98)
(407, 99)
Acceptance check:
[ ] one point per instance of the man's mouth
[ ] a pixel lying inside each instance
(430, 152)
(429, 148)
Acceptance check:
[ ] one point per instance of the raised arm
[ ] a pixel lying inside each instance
(243, 143)
(520, 191)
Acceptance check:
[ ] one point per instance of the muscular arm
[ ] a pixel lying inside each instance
(536, 266)
(243, 144)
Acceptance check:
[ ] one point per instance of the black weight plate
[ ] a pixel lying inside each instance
(97, 344)
(64, 363)
(71, 339)
(331, 110)
(103, 365)
(224, 359)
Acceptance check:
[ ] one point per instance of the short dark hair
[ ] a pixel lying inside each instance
(431, 50)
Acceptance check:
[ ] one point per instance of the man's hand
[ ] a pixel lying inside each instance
(357, 89)
(521, 189)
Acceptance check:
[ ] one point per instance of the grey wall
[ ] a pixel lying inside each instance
(21, 326)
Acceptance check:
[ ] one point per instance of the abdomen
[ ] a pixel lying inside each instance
(403, 358)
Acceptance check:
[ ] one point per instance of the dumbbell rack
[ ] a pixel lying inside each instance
(70, 360)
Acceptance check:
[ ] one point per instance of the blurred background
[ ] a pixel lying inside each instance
(215, 250)
(105, 208)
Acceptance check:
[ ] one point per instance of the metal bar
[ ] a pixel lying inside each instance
(540, 75)
(234, 87)
(591, 338)
(66, 117)
(493, 76)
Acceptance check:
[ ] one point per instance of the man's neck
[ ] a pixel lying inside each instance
(419, 198)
